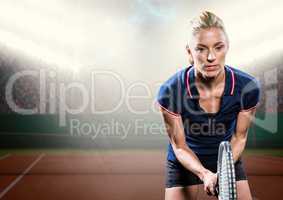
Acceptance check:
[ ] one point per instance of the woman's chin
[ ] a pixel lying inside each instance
(210, 74)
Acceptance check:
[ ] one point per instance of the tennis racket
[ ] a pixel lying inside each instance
(226, 187)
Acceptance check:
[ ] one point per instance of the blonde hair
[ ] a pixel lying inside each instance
(206, 20)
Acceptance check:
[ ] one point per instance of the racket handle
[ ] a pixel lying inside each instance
(216, 191)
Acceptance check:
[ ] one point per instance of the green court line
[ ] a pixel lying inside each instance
(249, 152)
(76, 151)
(3, 154)
(265, 152)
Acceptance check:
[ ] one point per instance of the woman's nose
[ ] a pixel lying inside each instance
(211, 56)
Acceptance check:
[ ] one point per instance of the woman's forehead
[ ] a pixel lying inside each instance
(209, 36)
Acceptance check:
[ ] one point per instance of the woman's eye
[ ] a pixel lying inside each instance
(199, 49)
(219, 47)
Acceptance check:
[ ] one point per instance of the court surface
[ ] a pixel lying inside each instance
(114, 175)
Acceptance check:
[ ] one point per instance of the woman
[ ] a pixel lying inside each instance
(202, 105)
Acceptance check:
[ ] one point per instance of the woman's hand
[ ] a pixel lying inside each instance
(209, 181)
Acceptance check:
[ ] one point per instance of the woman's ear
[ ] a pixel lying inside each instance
(190, 55)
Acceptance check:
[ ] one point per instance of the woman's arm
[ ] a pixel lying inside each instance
(184, 154)
(239, 138)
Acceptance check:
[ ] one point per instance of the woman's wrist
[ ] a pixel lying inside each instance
(203, 172)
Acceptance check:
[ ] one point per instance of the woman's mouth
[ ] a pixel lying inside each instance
(210, 67)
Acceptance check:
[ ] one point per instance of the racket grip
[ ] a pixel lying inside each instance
(216, 189)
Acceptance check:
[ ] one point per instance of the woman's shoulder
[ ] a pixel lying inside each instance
(241, 75)
(243, 78)
(246, 86)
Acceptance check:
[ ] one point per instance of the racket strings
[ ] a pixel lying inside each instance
(227, 179)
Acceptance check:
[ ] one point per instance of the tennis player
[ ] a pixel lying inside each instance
(202, 105)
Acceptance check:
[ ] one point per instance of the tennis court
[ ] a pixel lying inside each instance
(79, 81)
(116, 174)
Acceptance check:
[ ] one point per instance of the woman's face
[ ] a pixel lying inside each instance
(208, 50)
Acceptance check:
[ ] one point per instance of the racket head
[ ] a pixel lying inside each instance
(226, 173)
